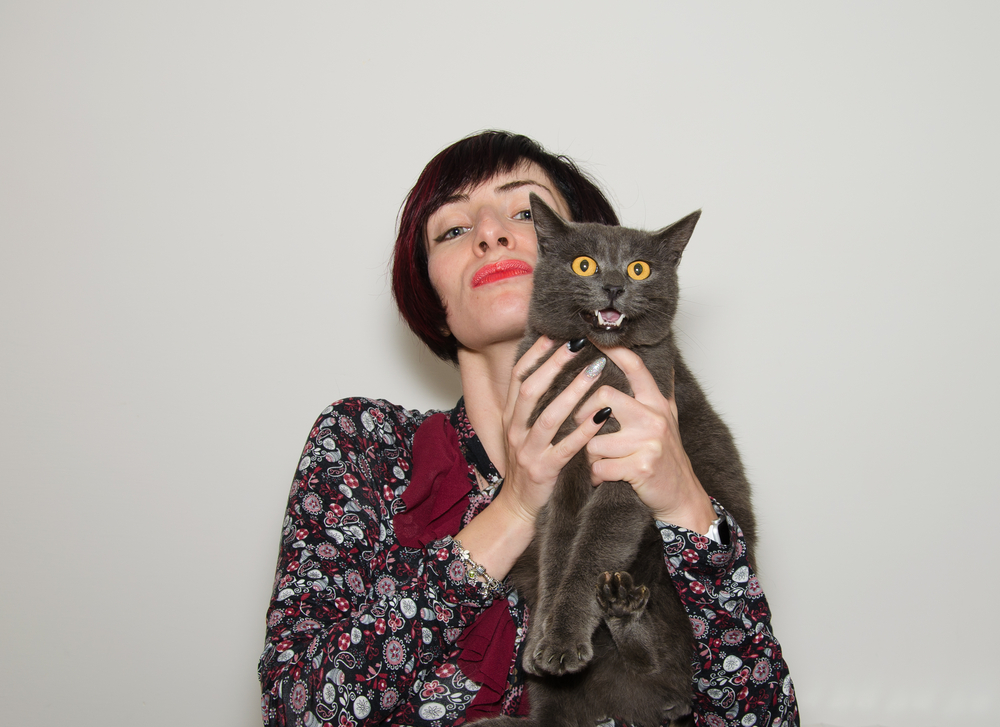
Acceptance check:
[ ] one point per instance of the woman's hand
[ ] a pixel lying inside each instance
(647, 451)
(498, 535)
(533, 462)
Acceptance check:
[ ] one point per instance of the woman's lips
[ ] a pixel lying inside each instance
(498, 271)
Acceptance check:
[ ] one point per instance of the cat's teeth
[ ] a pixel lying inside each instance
(615, 323)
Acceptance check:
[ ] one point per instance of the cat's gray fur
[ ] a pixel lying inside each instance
(608, 635)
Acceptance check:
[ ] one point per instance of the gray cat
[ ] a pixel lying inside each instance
(608, 636)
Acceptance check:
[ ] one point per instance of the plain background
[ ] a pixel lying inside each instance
(197, 205)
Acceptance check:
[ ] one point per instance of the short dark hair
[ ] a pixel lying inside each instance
(460, 167)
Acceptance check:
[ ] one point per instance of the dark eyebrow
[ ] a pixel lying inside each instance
(521, 183)
(515, 184)
(460, 197)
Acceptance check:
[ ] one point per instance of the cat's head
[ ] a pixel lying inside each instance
(614, 285)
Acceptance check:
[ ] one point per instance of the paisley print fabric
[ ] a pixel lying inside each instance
(364, 631)
(740, 677)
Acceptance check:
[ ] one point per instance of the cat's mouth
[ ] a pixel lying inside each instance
(608, 319)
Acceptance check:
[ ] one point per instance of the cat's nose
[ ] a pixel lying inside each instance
(612, 291)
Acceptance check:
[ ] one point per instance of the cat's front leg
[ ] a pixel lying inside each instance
(563, 642)
(552, 647)
(652, 635)
(557, 527)
(623, 604)
(611, 527)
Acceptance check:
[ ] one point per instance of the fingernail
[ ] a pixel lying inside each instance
(595, 369)
(602, 416)
(576, 345)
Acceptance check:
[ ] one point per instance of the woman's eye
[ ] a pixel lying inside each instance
(638, 270)
(585, 266)
(451, 234)
(523, 215)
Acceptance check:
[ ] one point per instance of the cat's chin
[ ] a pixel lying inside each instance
(608, 339)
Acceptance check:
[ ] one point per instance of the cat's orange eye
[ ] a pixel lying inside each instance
(638, 270)
(585, 266)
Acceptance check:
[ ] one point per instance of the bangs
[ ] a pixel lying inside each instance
(471, 165)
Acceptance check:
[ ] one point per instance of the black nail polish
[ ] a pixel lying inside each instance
(576, 345)
(602, 416)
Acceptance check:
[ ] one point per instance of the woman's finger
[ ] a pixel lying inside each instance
(612, 470)
(528, 360)
(559, 409)
(643, 384)
(625, 407)
(642, 429)
(564, 450)
(531, 388)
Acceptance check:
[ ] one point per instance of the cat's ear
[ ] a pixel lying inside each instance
(548, 224)
(675, 237)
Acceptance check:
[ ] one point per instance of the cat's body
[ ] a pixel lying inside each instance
(608, 636)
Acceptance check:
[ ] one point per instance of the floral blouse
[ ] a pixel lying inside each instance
(364, 631)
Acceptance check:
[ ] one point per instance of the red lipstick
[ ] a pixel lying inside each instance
(499, 271)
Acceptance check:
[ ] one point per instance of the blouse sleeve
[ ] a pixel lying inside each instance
(740, 675)
(354, 616)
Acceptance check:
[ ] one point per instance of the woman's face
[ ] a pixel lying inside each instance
(481, 250)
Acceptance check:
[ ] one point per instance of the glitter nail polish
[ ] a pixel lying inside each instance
(595, 369)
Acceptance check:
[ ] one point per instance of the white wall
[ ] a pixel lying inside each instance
(197, 203)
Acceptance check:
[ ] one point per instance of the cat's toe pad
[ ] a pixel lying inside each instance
(618, 596)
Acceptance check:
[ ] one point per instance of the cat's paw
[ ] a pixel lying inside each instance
(618, 596)
(559, 652)
(531, 649)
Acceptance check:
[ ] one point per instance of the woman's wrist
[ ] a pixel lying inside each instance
(477, 573)
(496, 537)
(513, 510)
(695, 513)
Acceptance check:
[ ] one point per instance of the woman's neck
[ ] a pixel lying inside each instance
(485, 382)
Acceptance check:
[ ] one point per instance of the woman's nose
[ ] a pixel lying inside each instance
(485, 246)
(491, 232)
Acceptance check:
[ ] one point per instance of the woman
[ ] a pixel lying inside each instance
(387, 604)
